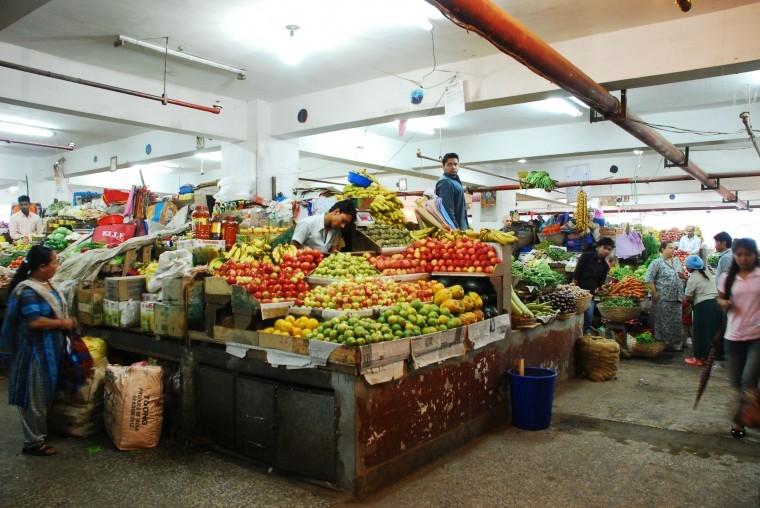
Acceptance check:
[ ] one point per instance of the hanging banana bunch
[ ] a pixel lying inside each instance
(581, 212)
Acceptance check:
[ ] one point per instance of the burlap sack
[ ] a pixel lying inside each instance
(599, 357)
(134, 406)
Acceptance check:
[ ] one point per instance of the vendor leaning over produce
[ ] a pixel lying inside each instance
(449, 188)
(690, 242)
(664, 278)
(25, 223)
(322, 231)
(723, 248)
(591, 272)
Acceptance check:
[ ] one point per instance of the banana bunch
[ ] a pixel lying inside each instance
(245, 253)
(519, 309)
(581, 212)
(450, 236)
(600, 357)
(387, 210)
(280, 252)
(500, 237)
(420, 234)
(538, 180)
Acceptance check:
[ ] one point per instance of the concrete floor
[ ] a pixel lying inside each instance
(630, 442)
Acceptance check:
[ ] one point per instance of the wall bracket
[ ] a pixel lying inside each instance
(597, 116)
(671, 164)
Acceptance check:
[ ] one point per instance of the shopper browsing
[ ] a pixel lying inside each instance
(322, 231)
(33, 340)
(591, 273)
(723, 247)
(739, 296)
(449, 188)
(702, 295)
(25, 223)
(664, 279)
(690, 242)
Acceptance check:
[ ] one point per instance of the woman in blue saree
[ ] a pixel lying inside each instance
(33, 340)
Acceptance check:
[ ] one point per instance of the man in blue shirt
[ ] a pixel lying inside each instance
(449, 188)
(723, 247)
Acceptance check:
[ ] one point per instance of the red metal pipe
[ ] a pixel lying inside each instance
(86, 82)
(69, 147)
(516, 40)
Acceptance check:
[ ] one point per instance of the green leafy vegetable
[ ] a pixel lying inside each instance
(645, 338)
(619, 301)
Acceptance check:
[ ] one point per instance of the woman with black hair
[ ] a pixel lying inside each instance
(33, 339)
(702, 295)
(739, 295)
(664, 280)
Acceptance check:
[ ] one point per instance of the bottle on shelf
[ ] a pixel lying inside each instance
(216, 223)
(229, 231)
(201, 225)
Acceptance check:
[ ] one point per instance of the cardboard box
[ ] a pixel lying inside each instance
(147, 317)
(173, 290)
(170, 320)
(121, 314)
(90, 298)
(482, 333)
(111, 313)
(437, 347)
(123, 289)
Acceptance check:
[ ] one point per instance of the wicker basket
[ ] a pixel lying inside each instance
(652, 350)
(582, 303)
(619, 314)
(518, 321)
(554, 239)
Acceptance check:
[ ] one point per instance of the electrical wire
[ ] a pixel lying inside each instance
(680, 130)
(411, 138)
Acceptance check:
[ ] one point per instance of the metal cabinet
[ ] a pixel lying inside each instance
(306, 434)
(216, 405)
(289, 427)
(255, 422)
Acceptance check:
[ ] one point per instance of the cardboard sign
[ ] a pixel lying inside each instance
(114, 234)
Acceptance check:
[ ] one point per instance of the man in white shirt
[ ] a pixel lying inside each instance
(25, 223)
(322, 231)
(690, 242)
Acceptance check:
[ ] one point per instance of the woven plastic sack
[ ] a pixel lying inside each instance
(134, 406)
(600, 357)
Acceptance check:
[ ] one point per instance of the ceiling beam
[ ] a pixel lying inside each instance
(516, 40)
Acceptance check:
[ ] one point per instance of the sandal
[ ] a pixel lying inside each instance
(738, 433)
(696, 362)
(40, 450)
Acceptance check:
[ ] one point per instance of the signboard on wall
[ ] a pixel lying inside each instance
(582, 173)
(488, 206)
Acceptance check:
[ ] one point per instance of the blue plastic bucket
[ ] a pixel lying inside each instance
(358, 180)
(531, 397)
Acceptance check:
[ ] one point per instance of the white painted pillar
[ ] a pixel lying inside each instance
(274, 157)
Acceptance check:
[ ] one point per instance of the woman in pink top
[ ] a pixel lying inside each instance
(739, 295)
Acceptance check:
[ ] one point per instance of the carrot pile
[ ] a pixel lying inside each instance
(628, 286)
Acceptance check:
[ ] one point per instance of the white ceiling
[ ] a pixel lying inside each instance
(84, 30)
(733, 89)
(79, 130)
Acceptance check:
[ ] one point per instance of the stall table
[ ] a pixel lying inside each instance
(333, 424)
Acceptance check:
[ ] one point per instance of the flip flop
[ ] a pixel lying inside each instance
(41, 450)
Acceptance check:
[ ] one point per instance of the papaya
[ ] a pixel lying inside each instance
(476, 300)
(468, 304)
(437, 287)
(457, 292)
(441, 296)
(453, 306)
(468, 318)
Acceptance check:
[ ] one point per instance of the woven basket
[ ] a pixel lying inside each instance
(554, 239)
(652, 350)
(619, 314)
(521, 321)
(582, 303)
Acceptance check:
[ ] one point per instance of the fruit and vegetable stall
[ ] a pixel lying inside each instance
(388, 355)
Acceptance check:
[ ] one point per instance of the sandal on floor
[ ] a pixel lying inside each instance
(40, 450)
(738, 433)
(694, 361)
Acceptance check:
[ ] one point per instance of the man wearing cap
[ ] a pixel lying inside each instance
(25, 223)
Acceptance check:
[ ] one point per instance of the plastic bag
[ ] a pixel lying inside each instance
(171, 264)
(134, 405)
(233, 189)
